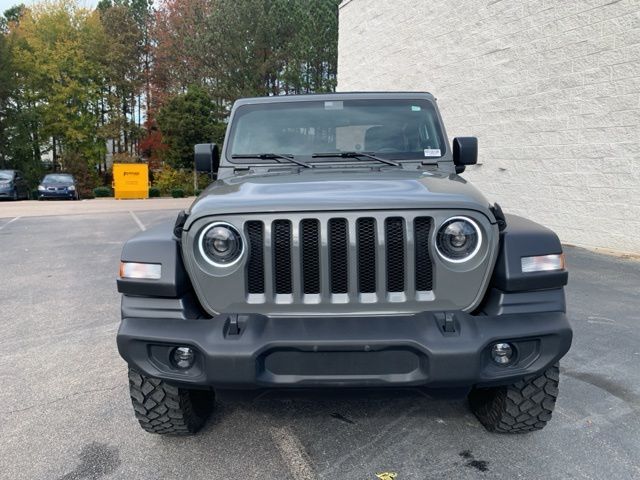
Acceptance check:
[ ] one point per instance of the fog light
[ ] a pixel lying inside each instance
(502, 353)
(183, 357)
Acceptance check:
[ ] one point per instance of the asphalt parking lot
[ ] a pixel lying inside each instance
(65, 410)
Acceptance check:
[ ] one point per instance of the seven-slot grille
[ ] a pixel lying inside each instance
(339, 257)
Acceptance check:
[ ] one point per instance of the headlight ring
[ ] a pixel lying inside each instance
(458, 239)
(220, 244)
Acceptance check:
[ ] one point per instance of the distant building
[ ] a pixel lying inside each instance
(550, 88)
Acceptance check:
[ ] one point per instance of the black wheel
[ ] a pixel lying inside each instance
(15, 197)
(523, 407)
(166, 409)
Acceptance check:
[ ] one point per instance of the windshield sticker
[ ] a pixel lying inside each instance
(432, 152)
(333, 105)
(415, 108)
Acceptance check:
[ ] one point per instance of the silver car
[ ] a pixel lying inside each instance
(340, 247)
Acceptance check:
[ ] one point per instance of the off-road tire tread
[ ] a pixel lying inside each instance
(523, 407)
(168, 410)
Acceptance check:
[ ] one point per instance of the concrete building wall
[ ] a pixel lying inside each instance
(550, 87)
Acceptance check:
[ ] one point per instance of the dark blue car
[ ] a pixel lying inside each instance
(58, 185)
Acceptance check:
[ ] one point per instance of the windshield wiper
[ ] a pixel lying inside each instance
(355, 155)
(273, 156)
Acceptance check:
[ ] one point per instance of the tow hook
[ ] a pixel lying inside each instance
(446, 322)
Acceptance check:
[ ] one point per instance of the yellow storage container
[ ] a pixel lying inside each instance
(130, 180)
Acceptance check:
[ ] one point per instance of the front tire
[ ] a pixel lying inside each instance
(522, 407)
(168, 410)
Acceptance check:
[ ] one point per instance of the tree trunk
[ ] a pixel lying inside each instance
(124, 124)
(54, 153)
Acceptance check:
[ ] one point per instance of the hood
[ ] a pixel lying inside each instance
(336, 190)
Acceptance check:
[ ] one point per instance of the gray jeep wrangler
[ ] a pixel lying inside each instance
(339, 248)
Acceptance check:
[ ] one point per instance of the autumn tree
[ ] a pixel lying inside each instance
(147, 80)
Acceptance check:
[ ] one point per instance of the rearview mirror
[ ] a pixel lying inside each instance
(207, 158)
(465, 152)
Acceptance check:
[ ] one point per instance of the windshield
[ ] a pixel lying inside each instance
(395, 129)
(58, 178)
(6, 175)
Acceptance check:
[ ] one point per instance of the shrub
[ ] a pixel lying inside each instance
(177, 193)
(85, 176)
(170, 179)
(33, 194)
(197, 192)
(102, 192)
(154, 192)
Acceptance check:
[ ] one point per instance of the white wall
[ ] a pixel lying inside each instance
(550, 87)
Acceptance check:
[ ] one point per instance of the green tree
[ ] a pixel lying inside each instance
(6, 81)
(253, 47)
(185, 120)
(123, 78)
(20, 116)
(59, 79)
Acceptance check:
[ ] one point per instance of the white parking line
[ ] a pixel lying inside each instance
(10, 221)
(137, 220)
(293, 454)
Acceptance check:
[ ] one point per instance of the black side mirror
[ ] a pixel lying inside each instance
(465, 152)
(207, 158)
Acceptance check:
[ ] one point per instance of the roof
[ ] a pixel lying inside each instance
(336, 96)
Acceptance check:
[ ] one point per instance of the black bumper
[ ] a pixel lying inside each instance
(410, 350)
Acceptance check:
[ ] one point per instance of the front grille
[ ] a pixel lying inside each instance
(336, 256)
(255, 265)
(282, 256)
(310, 243)
(367, 244)
(394, 231)
(424, 272)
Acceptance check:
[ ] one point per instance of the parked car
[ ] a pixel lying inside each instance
(58, 185)
(13, 185)
(340, 247)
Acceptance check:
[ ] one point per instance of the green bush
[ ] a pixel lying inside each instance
(154, 192)
(177, 193)
(169, 179)
(197, 192)
(34, 194)
(102, 192)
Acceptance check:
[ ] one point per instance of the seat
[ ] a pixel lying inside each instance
(383, 137)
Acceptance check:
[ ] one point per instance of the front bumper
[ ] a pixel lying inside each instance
(412, 350)
(64, 194)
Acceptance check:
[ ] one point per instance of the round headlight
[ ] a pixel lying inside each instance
(458, 239)
(221, 244)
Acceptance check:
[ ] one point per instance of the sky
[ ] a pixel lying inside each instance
(6, 4)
